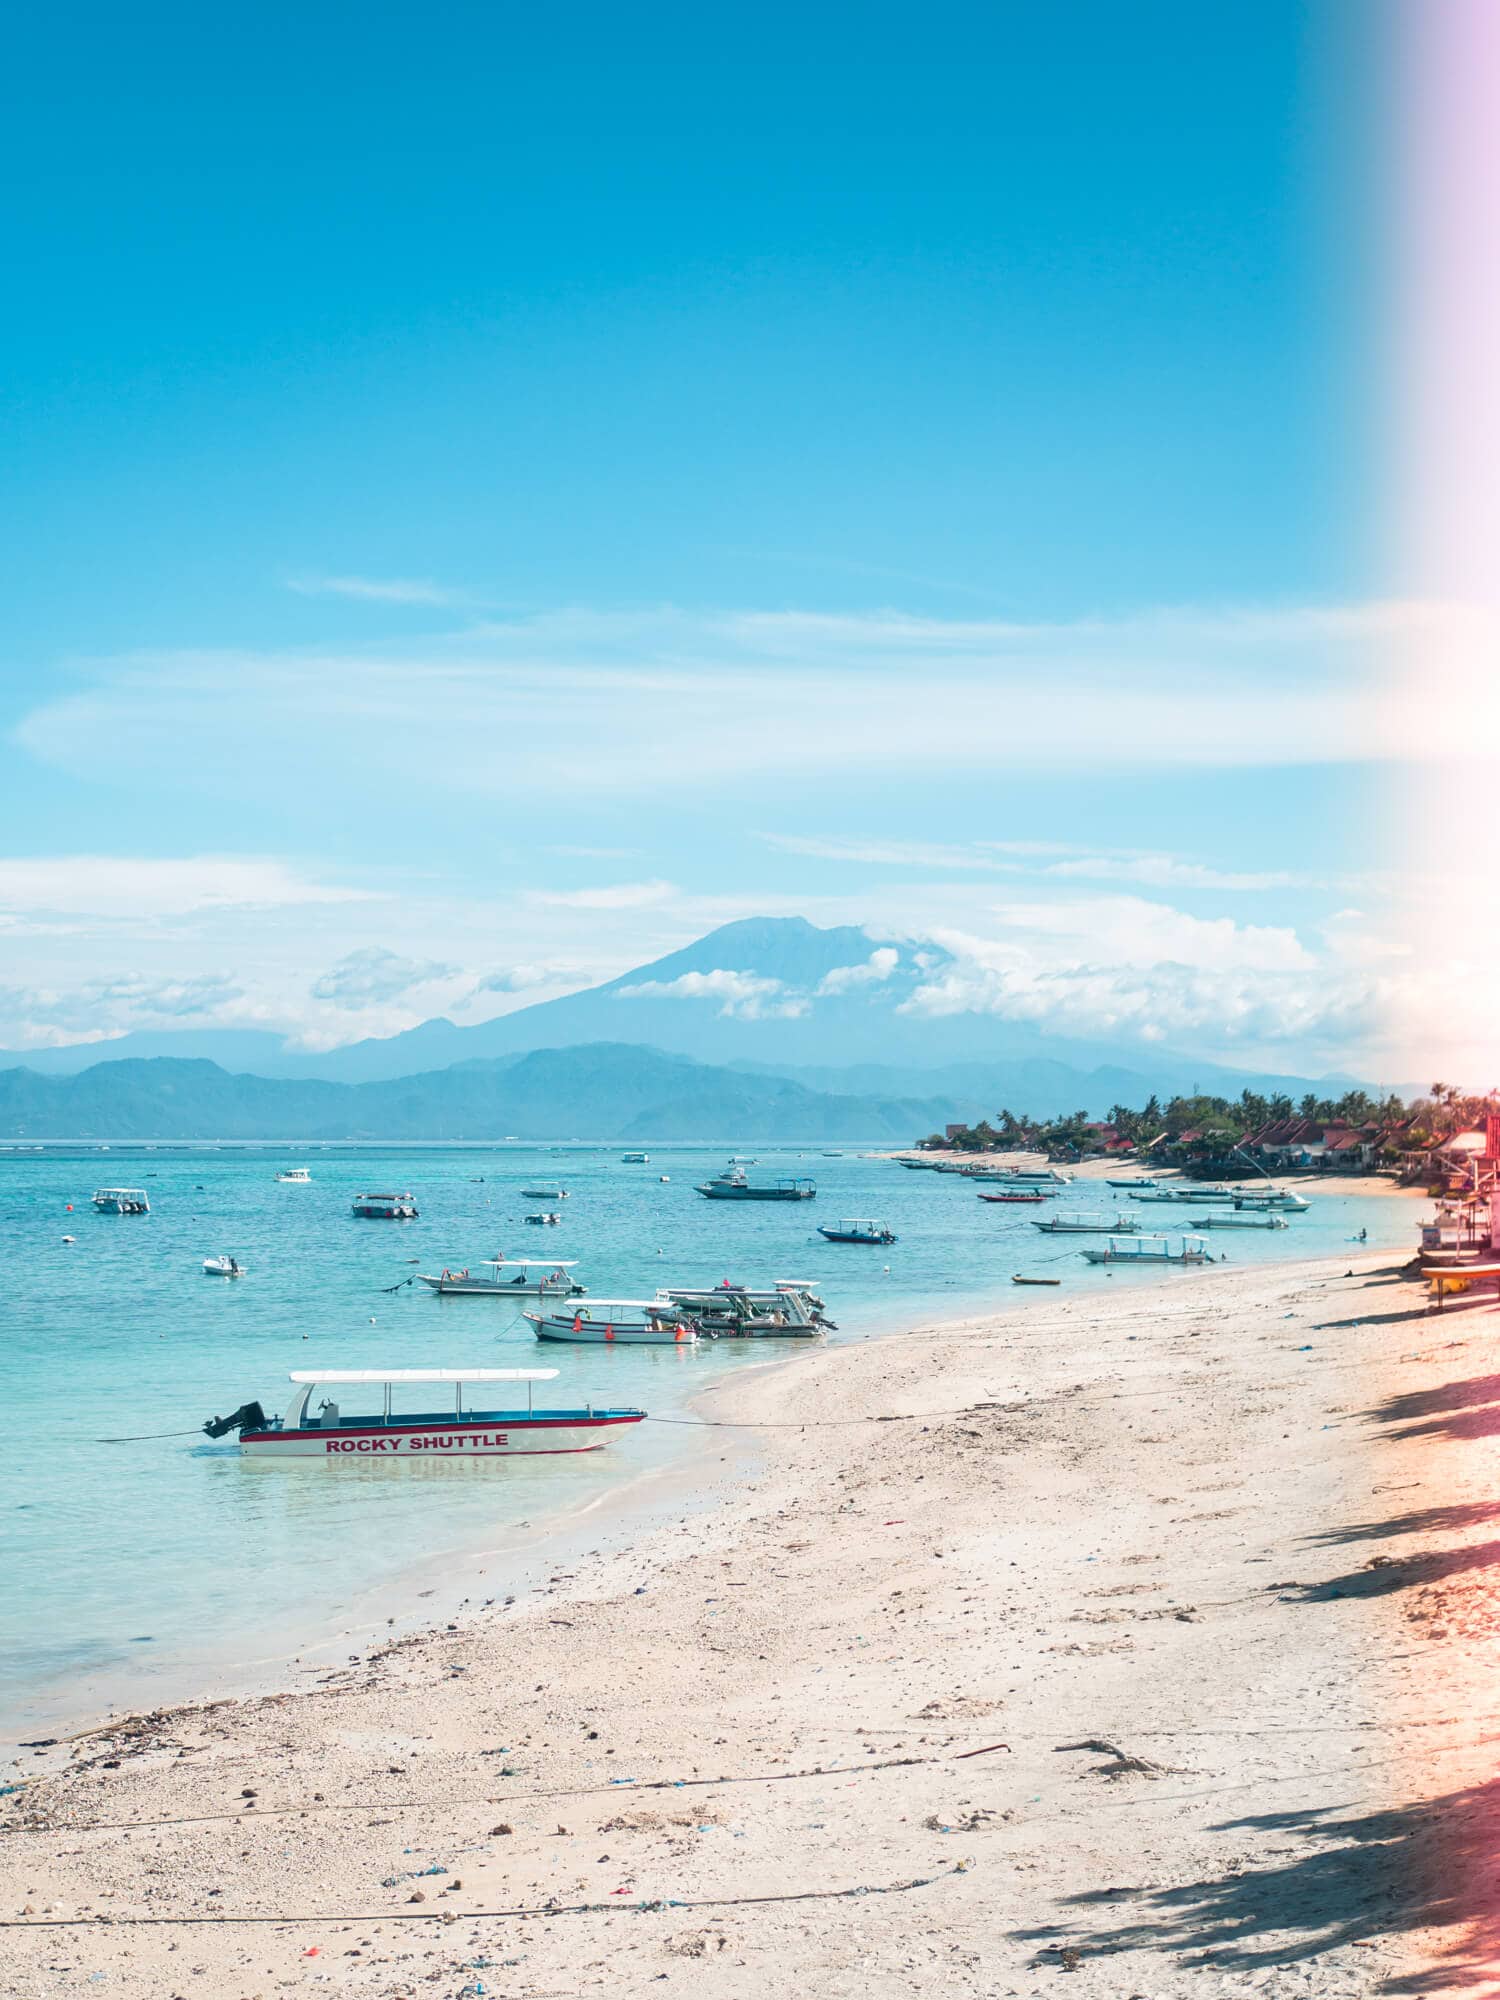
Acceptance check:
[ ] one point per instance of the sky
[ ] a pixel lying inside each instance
(491, 493)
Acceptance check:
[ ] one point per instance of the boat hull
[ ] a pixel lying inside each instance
(713, 1193)
(598, 1333)
(504, 1437)
(478, 1288)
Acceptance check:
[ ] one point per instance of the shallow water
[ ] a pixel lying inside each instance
(120, 1560)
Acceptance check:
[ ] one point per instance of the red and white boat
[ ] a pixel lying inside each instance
(617, 1322)
(374, 1427)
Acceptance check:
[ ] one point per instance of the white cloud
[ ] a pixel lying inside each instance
(118, 887)
(615, 896)
(1128, 930)
(1166, 871)
(1064, 860)
(526, 978)
(612, 703)
(376, 590)
(367, 977)
(877, 967)
(741, 994)
(1122, 966)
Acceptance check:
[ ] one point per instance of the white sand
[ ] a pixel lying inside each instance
(1144, 1522)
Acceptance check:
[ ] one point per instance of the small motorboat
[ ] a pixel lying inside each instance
(546, 1215)
(618, 1322)
(223, 1267)
(1015, 1197)
(294, 1176)
(121, 1201)
(506, 1278)
(635, 1159)
(386, 1207)
(1142, 1181)
(1017, 1279)
(387, 1432)
(856, 1231)
(545, 1194)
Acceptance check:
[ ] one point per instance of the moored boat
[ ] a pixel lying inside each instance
(635, 1159)
(734, 1184)
(121, 1201)
(1268, 1219)
(736, 1312)
(546, 1216)
(507, 1277)
(1038, 1195)
(856, 1230)
(545, 1194)
(1148, 1250)
(1131, 1181)
(386, 1207)
(1076, 1224)
(1284, 1198)
(618, 1322)
(294, 1176)
(223, 1267)
(327, 1432)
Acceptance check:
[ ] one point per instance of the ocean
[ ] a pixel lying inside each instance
(137, 1572)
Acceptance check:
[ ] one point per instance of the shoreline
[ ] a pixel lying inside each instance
(411, 1601)
(965, 1533)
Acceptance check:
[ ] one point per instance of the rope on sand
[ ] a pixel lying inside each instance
(613, 1789)
(535, 1910)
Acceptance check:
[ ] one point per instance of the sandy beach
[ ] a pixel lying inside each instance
(1138, 1646)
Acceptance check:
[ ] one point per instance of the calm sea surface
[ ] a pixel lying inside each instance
(120, 1562)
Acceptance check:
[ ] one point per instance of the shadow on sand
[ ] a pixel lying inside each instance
(1347, 1878)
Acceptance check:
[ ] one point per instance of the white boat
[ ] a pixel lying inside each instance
(1075, 1224)
(507, 1278)
(1265, 1219)
(547, 1216)
(635, 1159)
(121, 1201)
(294, 1176)
(617, 1322)
(386, 1207)
(545, 1194)
(1149, 1250)
(223, 1267)
(1126, 1181)
(377, 1429)
(1284, 1198)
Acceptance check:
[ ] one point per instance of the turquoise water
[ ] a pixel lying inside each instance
(120, 1562)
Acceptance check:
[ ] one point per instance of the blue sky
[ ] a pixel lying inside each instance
(510, 488)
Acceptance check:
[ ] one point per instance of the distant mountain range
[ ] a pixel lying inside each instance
(600, 1091)
(767, 1028)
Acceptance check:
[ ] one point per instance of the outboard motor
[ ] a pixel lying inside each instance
(248, 1417)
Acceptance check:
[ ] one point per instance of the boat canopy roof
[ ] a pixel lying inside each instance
(326, 1375)
(528, 1263)
(591, 1305)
